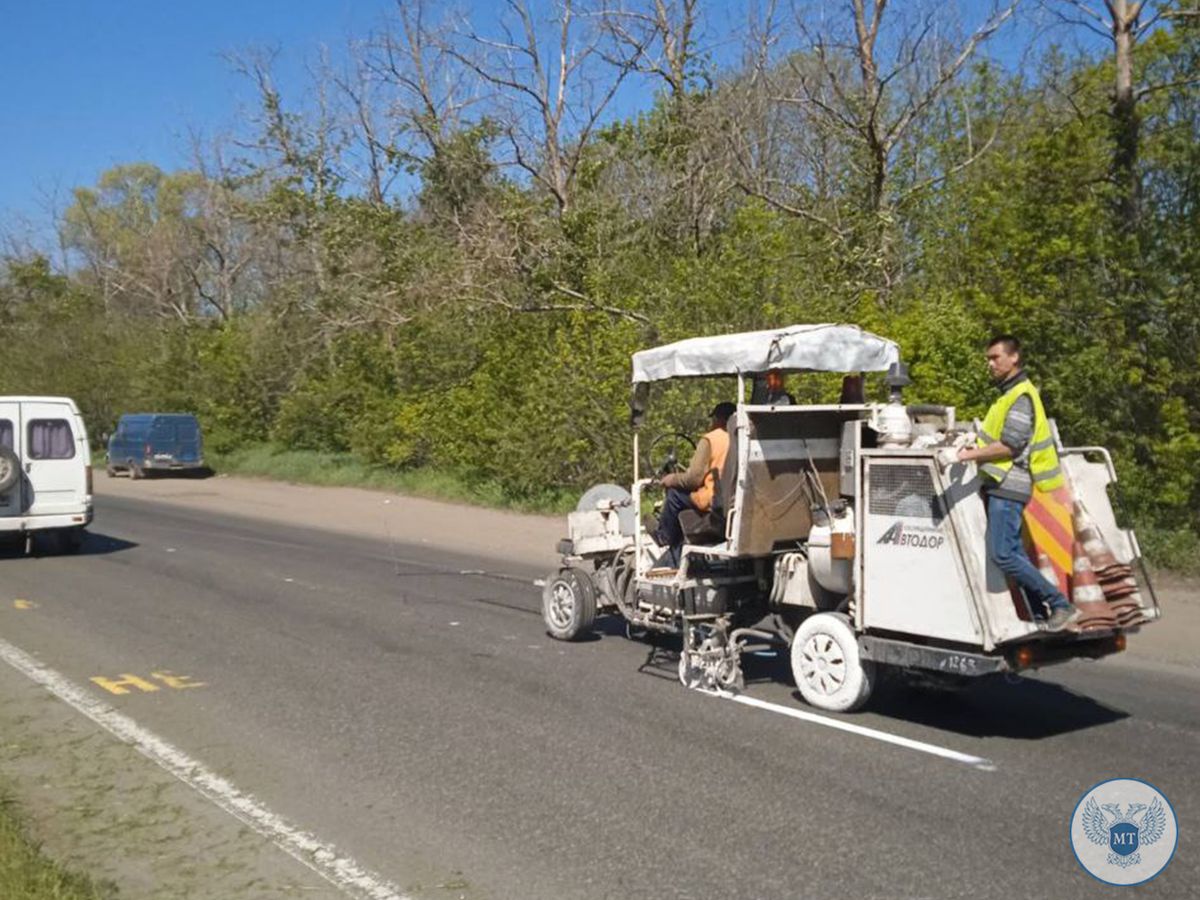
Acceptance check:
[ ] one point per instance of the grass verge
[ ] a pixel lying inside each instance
(1176, 551)
(25, 874)
(347, 470)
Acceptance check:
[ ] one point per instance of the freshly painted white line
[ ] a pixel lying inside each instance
(978, 762)
(322, 858)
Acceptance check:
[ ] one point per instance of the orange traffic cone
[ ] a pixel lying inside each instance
(1085, 588)
(1087, 532)
(1087, 594)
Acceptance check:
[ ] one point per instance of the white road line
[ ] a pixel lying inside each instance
(322, 858)
(978, 762)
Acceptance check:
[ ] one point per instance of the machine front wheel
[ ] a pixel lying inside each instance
(829, 671)
(569, 604)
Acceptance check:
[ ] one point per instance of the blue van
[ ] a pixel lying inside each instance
(147, 442)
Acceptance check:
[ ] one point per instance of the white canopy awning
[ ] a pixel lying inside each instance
(794, 348)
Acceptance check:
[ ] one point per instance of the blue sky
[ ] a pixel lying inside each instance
(88, 85)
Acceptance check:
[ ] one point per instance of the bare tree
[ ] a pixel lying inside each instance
(227, 266)
(548, 87)
(880, 106)
(665, 41)
(371, 157)
(1122, 23)
(837, 97)
(305, 147)
(659, 37)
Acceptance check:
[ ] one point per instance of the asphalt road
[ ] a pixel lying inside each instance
(420, 719)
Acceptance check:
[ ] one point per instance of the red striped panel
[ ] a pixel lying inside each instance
(1049, 530)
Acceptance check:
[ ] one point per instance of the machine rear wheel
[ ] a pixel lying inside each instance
(827, 666)
(569, 604)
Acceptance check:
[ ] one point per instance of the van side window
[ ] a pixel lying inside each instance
(6, 433)
(51, 439)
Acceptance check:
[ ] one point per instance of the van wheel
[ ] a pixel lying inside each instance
(569, 604)
(827, 666)
(10, 469)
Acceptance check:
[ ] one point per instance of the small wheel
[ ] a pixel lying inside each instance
(10, 470)
(730, 676)
(569, 604)
(689, 676)
(827, 666)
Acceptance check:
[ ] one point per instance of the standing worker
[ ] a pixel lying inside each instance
(1016, 455)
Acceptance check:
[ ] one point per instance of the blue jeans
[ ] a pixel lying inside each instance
(1008, 553)
(669, 532)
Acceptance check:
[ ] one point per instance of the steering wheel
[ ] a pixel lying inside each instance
(663, 453)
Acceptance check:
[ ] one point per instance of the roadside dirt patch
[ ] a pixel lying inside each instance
(380, 515)
(1175, 638)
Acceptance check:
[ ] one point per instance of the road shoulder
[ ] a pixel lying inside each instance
(96, 804)
(380, 515)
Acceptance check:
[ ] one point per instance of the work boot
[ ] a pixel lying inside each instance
(1063, 616)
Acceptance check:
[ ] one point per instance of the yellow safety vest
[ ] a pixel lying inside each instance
(1043, 457)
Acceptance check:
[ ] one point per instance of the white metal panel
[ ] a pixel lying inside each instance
(55, 486)
(1089, 483)
(793, 448)
(595, 531)
(913, 580)
(993, 601)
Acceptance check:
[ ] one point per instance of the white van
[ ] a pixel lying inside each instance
(45, 469)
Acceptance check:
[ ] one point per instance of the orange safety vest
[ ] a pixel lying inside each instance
(718, 445)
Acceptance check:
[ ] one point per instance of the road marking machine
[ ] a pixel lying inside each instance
(847, 531)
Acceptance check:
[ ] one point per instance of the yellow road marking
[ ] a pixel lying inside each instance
(171, 680)
(24, 604)
(125, 682)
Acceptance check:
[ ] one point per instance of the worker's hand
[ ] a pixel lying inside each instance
(946, 457)
(964, 454)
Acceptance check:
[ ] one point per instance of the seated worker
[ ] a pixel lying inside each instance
(768, 390)
(693, 488)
